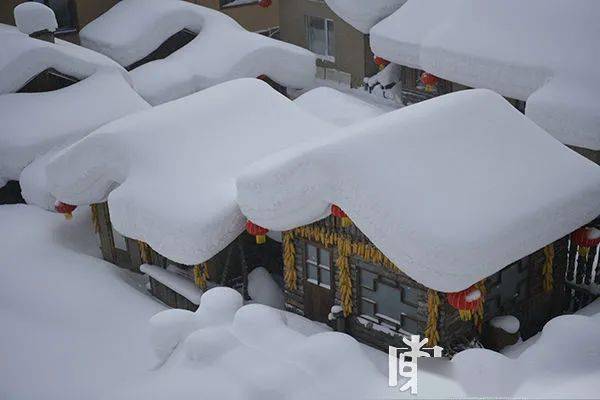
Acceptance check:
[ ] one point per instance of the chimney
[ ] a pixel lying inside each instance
(36, 20)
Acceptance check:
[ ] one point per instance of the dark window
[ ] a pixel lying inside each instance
(318, 266)
(387, 302)
(507, 287)
(320, 36)
(65, 11)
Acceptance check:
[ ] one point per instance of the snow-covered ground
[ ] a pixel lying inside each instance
(76, 327)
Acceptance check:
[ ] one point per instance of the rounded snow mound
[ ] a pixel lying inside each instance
(33, 17)
(223, 300)
(363, 14)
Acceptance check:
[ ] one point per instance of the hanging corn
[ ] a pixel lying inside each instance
(433, 305)
(478, 314)
(547, 269)
(201, 275)
(344, 248)
(289, 260)
(144, 252)
(95, 218)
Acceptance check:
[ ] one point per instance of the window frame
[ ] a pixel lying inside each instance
(318, 266)
(328, 56)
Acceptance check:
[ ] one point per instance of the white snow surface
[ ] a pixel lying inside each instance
(452, 189)
(263, 289)
(33, 17)
(222, 51)
(338, 108)
(179, 284)
(73, 325)
(175, 165)
(35, 123)
(541, 51)
(22, 58)
(508, 323)
(363, 14)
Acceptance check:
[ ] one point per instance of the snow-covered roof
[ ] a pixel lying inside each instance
(34, 123)
(32, 17)
(22, 58)
(222, 51)
(337, 108)
(451, 190)
(541, 51)
(175, 165)
(363, 14)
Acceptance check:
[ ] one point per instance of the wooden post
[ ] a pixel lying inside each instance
(244, 271)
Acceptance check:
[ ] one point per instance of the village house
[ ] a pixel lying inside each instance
(73, 15)
(343, 52)
(49, 77)
(190, 48)
(433, 220)
(176, 219)
(542, 59)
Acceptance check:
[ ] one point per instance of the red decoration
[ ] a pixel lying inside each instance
(339, 213)
(64, 208)
(460, 300)
(381, 62)
(265, 3)
(430, 81)
(581, 237)
(258, 231)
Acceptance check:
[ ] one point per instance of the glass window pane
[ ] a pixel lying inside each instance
(367, 279)
(325, 277)
(367, 308)
(311, 253)
(311, 271)
(410, 325)
(120, 242)
(324, 257)
(388, 300)
(316, 35)
(411, 295)
(330, 39)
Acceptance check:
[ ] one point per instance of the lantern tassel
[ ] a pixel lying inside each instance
(261, 239)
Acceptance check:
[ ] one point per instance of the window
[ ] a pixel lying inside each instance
(386, 302)
(507, 287)
(65, 13)
(318, 266)
(320, 37)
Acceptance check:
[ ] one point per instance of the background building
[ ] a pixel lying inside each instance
(72, 15)
(344, 52)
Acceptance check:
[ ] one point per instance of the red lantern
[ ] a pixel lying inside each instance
(339, 213)
(430, 81)
(381, 62)
(64, 208)
(265, 3)
(258, 231)
(582, 237)
(465, 300)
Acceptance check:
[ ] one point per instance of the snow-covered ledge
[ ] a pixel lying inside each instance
(174, 281)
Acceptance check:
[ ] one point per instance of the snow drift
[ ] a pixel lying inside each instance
(222, 51)
(32, 17)
(451, 190)
(169, 172)
(544, 52)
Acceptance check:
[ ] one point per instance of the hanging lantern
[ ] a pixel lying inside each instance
(586, 237)
(339, 213)
(265, 3)
(466, 301)
(381, 62)
(64, 208)
(257, 231)
(430, 81)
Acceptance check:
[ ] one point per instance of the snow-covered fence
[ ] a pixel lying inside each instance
(583, 273)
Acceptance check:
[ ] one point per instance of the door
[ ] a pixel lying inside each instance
(318, 282)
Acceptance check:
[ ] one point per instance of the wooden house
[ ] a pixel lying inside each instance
(410, 181)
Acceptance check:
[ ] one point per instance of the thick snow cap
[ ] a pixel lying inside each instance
(33, 17)
(22, 58)
(59, 117)
(362, 14)
(451, 190)
(169, 172)
(542, 51)
(222, 51)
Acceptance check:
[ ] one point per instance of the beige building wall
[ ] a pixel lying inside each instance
(352, 51)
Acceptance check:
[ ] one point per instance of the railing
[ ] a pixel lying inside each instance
(582, 275)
